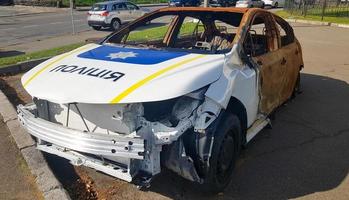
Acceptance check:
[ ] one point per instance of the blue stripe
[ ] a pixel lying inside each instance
(132, 56)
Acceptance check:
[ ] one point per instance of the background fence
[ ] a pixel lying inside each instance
(318, 8)
(65, 3)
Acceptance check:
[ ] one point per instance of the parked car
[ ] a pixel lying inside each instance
(222, 3)
(274, 3)
(182, 3)
(113, 14)
(250, 4)
(185, 94)
(6, 2)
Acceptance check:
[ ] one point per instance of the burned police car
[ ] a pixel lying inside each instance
(185, 93)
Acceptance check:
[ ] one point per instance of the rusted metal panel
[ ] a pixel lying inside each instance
(271, 78)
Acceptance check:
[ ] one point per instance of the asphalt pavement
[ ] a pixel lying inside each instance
(19, 29)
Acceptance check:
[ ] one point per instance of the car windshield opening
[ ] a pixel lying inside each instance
(204, 32)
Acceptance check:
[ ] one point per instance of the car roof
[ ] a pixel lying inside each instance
(111, 2)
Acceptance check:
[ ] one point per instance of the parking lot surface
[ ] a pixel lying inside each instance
(305, 154)
(19, 29)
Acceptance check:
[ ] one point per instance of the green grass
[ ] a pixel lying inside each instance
(39, 54)
(314, 17)
(149, 34)
(158, 33)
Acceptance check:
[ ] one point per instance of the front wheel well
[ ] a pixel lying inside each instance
(237, 108)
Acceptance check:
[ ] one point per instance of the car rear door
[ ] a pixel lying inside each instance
(120, 11)
(133, 10)
(261, 45)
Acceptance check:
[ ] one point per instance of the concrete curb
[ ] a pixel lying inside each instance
(51, 188)
(21, 66)
(317, 23)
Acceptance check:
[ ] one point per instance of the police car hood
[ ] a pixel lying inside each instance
(107, 74)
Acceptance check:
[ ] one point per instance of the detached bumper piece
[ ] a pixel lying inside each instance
(76, 145)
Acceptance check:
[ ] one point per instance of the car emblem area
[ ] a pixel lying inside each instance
(122, 55)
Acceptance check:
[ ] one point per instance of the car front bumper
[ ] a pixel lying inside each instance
(86, 142)
(83, 148)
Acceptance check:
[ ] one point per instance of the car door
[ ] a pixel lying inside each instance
(261, 45)
(119, 11)
(133, 10)
(291, 56)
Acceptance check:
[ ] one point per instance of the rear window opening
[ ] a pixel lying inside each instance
(99, 7)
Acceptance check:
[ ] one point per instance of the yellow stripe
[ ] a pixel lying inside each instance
(135, 86)
(53, 62)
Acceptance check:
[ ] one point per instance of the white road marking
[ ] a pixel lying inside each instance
(8, 29)
(30, 26)
(57, 23)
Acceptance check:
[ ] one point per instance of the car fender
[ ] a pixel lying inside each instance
(238, 80)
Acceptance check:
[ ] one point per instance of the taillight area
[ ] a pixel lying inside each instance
(106, 13)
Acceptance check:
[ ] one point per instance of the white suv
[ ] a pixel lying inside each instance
(113, 13)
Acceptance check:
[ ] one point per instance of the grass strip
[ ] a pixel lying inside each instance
(331, 19)
(38, 54)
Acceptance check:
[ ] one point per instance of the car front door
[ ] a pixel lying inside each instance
(291, 56)
(261, 45)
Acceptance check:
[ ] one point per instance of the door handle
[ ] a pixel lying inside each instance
(283, 61)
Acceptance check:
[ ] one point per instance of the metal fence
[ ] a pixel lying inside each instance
(65, 3)
(318, 8)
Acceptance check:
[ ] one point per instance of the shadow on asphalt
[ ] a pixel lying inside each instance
(4, 54)
(306, 151)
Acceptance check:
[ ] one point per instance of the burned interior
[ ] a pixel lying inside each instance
(193, 31)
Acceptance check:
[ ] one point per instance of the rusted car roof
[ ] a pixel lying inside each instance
(212, 9)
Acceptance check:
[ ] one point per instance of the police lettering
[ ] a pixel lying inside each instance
(95, 72)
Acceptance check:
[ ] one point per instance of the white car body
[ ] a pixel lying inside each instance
(250, 4)
(121, 11)
(274, 3)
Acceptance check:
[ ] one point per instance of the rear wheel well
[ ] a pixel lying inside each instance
(117, 19)
(237, 108)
